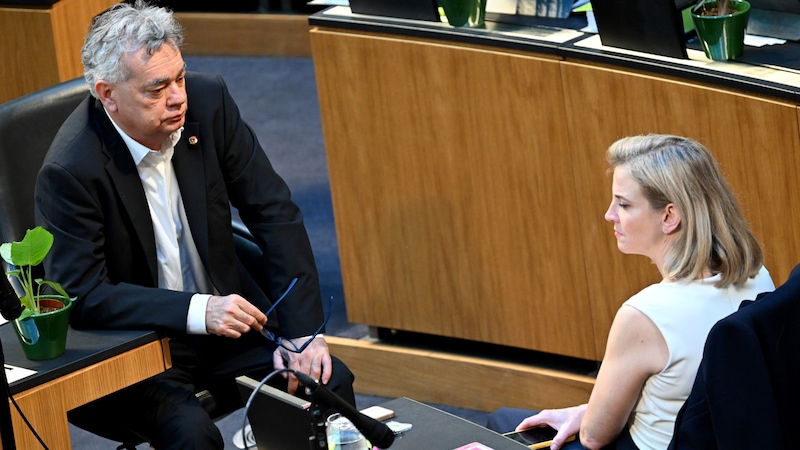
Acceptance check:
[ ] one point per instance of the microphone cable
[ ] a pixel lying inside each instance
(250, 401)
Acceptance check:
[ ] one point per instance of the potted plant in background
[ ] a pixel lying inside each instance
(720, 26)
(43, 324)
(459, 13)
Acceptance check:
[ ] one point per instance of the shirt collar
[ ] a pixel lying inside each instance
(139, 151)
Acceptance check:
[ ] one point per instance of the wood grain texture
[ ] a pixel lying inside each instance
(755, 140)
(46, 406)
(40, 47)
(70, 21)
(451, 379)
(27, 51)
(231, 34)
(469, 184)
(452, 191)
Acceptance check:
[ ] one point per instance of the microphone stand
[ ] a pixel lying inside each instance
(318, 439)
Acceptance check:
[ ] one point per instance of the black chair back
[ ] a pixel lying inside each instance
(27, 127)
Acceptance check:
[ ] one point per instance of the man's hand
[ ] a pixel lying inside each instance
(315, 361)
(231, 316)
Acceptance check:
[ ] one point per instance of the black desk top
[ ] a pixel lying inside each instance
(769, 70)
(84, 348)
(434, 429)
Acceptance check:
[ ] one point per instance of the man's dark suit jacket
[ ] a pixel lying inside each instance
(747, 388)
(89, 195)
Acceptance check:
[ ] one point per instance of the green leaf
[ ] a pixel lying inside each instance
(56, 287)
(25, 314)
(32, 249)
(16, 272)
(5, 252)
(29, 305)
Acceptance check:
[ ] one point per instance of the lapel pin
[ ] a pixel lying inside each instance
(192, 140)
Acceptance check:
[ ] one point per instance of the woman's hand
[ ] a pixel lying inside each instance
(567, 421)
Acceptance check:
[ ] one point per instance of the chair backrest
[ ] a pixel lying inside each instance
(27, 127)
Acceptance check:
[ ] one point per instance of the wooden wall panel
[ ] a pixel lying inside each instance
(452, 191)
(40, 47)
(27, 52)
(755, 140)
(229, 34)
(70, 22)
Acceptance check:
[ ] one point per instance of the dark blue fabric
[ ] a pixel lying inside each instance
(745, 393)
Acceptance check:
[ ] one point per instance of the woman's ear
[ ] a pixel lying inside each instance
(671, 221)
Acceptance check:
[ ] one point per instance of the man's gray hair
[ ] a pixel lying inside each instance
(125, 28)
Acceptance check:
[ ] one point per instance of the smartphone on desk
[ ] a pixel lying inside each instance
(538, 437)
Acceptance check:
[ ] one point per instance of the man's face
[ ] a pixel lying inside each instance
(151, 104)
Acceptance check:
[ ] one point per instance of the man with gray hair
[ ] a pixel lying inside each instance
(137, 189)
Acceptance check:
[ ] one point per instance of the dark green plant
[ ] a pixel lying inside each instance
(23, 256)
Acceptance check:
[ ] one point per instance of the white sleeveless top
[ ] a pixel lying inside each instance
(684, 312)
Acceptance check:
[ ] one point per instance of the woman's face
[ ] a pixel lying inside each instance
(639, 229)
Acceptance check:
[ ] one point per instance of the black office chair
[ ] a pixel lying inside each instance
(27, 127)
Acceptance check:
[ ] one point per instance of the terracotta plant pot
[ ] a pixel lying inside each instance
(52, 327)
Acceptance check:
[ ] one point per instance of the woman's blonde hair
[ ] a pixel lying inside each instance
(713, 232)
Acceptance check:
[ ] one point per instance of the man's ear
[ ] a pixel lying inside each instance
(671, 221)
(105, 91)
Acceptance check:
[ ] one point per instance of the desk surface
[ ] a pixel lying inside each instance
(84, 348)
(95, 363)
(770, 70)
(435, 429)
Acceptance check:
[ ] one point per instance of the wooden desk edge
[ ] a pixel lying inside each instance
(45, 406)
(470, 382)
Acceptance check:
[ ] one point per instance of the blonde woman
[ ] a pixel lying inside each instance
(670, 203)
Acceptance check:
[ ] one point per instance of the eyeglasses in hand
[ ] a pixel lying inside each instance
(287, 344)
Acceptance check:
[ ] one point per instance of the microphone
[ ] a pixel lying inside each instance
(10, 307)
(375, 431)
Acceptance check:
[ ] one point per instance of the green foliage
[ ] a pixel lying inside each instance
(23, 256)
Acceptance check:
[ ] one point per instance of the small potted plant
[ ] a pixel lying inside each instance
(720, 26)
(459, 13)
(43, 324)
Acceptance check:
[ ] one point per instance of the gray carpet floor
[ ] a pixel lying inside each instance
(278, 98)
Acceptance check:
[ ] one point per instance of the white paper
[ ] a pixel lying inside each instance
(14, 373)
(760, 41)
(780, 75)
(330, 2)
(501, 6)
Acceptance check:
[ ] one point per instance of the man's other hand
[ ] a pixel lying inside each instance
(315, 361)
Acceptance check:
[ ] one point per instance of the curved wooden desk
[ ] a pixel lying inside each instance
(468, 177)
